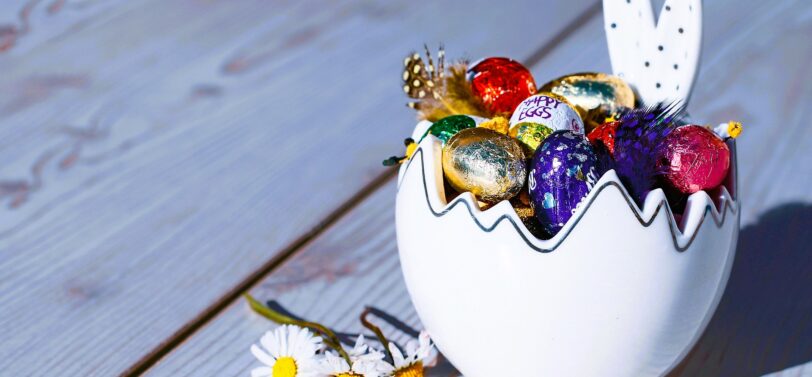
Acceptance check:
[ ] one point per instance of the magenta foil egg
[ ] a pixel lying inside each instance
(692, 158)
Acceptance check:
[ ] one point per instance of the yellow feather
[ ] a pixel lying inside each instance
(453, 96)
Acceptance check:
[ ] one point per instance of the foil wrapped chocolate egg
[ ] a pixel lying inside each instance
(530, 135)
(604, 135)
(596, 96)
(603, 143)
(486, 163)
(447, 127)
(500, 83)
(692, 158)
(550, 110)
(562, 171)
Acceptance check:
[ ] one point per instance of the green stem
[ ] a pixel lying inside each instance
(377, 331)
(328, 336)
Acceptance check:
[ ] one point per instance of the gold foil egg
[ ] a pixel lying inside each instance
(486, 163)
(595, 96)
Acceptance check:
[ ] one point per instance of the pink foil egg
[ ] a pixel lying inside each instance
(692, 158)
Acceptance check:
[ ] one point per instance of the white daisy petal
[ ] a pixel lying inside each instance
(411, 348)
(425, 350)
(271, 342)
(262, 356)
(332, 364)
(295, 334)
(397, 356)
(372, 368)
(360, 347)
(288, 341)
(424, 338)
(372, 355)
(384, 368)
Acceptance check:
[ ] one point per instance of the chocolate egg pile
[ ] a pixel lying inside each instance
(545, 150)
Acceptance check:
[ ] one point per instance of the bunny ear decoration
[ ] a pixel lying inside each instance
(658, 59)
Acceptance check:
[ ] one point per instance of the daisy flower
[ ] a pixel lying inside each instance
(366, 362)
(288, 351)
(418, 355)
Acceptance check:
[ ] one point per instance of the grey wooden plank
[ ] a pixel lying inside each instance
(754, 69)
(156, 153)
(27, 24)
(351, 265)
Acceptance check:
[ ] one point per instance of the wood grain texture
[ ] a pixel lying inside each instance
(352, 265)
(157, 152)
(754, 69)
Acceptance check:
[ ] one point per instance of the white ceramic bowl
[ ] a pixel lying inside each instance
(618, 292)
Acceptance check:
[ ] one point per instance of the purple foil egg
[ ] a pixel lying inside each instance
(562, 171)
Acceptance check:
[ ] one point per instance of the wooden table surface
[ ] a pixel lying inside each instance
(162, 157)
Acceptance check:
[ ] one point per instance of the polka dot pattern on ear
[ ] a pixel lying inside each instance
(658, 58)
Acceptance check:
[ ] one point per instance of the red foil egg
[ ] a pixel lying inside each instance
(501, 84)
(692, 158)
(605, 134)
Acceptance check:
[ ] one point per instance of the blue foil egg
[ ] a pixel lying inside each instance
(562, 171)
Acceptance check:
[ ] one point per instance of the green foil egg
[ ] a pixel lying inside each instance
(486, 163)
(447, 127)
(530, 135)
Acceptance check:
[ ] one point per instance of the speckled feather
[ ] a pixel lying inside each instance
(438, 91)
(420, 77)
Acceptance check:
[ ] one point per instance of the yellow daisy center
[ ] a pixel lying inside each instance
(413, 370)
(348, 375)
(284, 367)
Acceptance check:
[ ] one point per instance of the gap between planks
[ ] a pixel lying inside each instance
(165, 347)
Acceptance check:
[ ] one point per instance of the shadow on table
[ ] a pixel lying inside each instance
(764, 321)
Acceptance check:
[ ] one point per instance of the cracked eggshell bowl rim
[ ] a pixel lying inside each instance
(699, 205)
